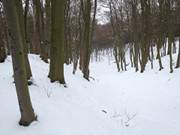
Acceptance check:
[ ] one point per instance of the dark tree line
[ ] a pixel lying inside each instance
(144, 25)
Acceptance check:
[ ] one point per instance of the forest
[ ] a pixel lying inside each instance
(64, 45)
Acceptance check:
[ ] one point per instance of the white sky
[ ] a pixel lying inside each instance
(101, 16)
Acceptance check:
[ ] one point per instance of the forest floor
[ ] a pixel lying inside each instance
(125, 103)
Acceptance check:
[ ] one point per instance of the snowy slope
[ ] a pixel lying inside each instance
(125, 103)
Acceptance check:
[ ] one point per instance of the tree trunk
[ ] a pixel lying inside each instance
(2, 49)
(2, 42)
(22, 30)
(178, 59)
(170, 55)
(43, 43)
(158, 54)
(86, 38)
(18, 59)
(145, 37)
(116, 58)
(37, 26)
(26, 9)
(48, 26)
(134, 34)
(56, 72)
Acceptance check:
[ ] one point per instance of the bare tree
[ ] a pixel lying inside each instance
(56, 72)
(18, 59)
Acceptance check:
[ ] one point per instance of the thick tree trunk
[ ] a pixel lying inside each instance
(145, 39)
(2, 49)
(18, 59)
(2, 42)
(56, 72)
(23, 34)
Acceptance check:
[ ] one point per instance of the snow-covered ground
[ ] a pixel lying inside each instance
(125, 103)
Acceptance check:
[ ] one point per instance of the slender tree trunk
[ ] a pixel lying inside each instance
(86, 38)
(151, 56)
(158, 54)
(131, 56)
(178, 59)
(48, 26)
(170, 56)
(134, 34)
(77, 41)
(43, 43)
(37, 26)
(18, 59)
(174, 47)
(136, 56)
(170, 23)
(116, 58)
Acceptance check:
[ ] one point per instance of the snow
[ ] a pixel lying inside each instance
(125, 103)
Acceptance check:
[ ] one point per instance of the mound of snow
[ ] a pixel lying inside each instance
(125, 103)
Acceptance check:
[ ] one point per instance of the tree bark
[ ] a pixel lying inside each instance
(2, 41)
(18, 59)
(86, 46)
(56, 72)
(23, 34)
(178, 59)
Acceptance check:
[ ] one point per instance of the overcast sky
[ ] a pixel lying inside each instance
(101, 13)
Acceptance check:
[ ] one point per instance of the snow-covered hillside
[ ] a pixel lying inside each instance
(125, 103)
